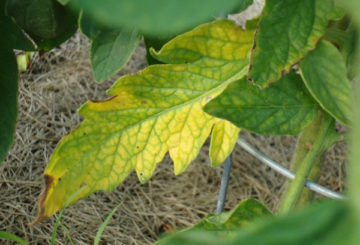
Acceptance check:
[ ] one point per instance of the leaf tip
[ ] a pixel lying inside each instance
(49, 182)
(153, 52)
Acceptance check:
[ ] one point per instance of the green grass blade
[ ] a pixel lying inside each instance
(12, 237)
(58, 220)
(103, 225)
(67, 234)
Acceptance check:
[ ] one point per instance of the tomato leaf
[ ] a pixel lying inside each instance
(242, 5)
(222, 224)
(8, 99)
(12, 36)
(156, 17)
(110, 49)
(201, 42)
(223, 138)
(152, 112)
(326, 223)
(325, 76)
(154, 43)
(282, 109)
(288, 30)
(47, 22)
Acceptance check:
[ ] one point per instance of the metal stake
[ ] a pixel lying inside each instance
(224, 185)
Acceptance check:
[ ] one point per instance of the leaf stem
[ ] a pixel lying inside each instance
(313, 142)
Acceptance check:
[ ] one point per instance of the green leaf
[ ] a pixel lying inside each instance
(246, 212)
(353, 7)
(327, 223)
(282, 109)
(221, 224)
(12, 237)
(156, 17)
(12, 36)
(88, 26)
(154, 43)
(243, 5)
(345, 37)
(47, 22)
(8, 99)
(110, 49)
(288, 30)
(325, 76)
(152, 112)
(64, 2)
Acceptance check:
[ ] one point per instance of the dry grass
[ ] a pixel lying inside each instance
(49, 95)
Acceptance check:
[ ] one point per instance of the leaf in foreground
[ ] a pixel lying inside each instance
(327, 223)
(152, 112)
(281, 109)
(8, 99)
(12, 35)
(324, 73)
(12, 237)
(157, 17)
(222, 224)
(288, 30)
(47, 22)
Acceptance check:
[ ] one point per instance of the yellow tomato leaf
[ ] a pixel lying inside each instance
(223, 140)
(156, 111)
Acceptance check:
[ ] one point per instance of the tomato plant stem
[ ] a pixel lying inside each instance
(314, 141)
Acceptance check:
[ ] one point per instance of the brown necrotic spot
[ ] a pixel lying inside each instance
(49, 182)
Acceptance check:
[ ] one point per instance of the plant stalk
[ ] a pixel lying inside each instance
(306, 194)
(313, 142)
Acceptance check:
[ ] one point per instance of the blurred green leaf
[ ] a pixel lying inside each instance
(322, 224)
(12, 237)
(12, 37)
(284, 108)
(64, 2)
(47, 22)
(88, 26)
(246, 212)
(288, 30)
(326, 223)
(242, 5)
(110, 49)
(154, 17)
(353, 7)
(324, 73)
(8, 99)
(221, 224)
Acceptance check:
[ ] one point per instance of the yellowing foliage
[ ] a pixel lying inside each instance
(156, 111)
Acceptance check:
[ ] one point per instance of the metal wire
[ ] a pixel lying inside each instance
(224, 185)
(286, 172)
